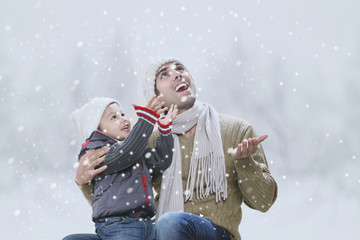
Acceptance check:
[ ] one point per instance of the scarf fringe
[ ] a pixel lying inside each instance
(215, 182)
(207, 165)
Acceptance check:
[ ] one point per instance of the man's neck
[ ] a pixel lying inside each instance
(190, 133)
(185, 107)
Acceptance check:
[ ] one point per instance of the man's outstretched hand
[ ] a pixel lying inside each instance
(247, 147)
(86, 171)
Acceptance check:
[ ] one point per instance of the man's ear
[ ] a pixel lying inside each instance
(155, 90)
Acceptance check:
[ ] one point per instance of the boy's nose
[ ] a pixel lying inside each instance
(122, 119)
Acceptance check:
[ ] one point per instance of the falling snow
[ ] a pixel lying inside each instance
(292, 76)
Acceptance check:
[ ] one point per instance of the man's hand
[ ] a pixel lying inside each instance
(170, 116)
(247, 147)
(86, 171)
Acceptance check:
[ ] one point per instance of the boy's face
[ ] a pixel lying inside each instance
(113, 122)
(175, 85)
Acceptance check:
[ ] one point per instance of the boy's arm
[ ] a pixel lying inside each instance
(159, 158)
(123, 155)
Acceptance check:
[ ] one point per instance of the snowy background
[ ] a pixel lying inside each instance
(289, 67)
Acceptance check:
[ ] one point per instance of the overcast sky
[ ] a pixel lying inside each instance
(291, 68)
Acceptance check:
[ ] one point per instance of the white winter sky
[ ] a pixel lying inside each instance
(289, 67)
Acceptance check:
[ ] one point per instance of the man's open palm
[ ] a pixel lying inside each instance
(247, 147)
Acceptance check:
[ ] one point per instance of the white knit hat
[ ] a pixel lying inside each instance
(149, 79)
(87, 118)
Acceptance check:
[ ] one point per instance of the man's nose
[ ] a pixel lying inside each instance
(176, 74)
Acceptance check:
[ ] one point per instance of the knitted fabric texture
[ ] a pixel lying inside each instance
(149, 79)
(251, 173)
(87, 118)
(207, 165)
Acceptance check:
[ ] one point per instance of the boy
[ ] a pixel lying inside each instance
(123, 202)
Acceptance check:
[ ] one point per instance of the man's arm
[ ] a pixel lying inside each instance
(257, 186)
(86, 171)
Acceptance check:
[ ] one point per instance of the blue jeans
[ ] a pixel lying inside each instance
(82, 236)
(180, 225)
(125, 228)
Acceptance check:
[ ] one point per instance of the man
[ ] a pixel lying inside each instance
(218, 164)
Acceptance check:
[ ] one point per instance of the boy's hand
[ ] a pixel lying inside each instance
(170, 116)
(156, 105)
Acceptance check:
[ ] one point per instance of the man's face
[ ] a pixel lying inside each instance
(175, 86)
(114, 123)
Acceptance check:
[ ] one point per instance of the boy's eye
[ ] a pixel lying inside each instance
(122, 114)
(180, 68)
(113, 117)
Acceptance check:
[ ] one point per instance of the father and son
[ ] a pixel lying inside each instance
(202, 164)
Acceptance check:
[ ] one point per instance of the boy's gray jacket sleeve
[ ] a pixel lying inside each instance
(159, 158)
(125, 154)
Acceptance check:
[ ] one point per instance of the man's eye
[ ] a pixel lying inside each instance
(180, 68)
(162, 75)
(113, 117)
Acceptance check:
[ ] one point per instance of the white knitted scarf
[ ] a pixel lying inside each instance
(207, 166)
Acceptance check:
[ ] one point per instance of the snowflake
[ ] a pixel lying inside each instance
(238, 63)
(80, 44)
(183, 99)
(75, 165)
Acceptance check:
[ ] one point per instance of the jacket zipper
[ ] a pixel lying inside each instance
(143, 180)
